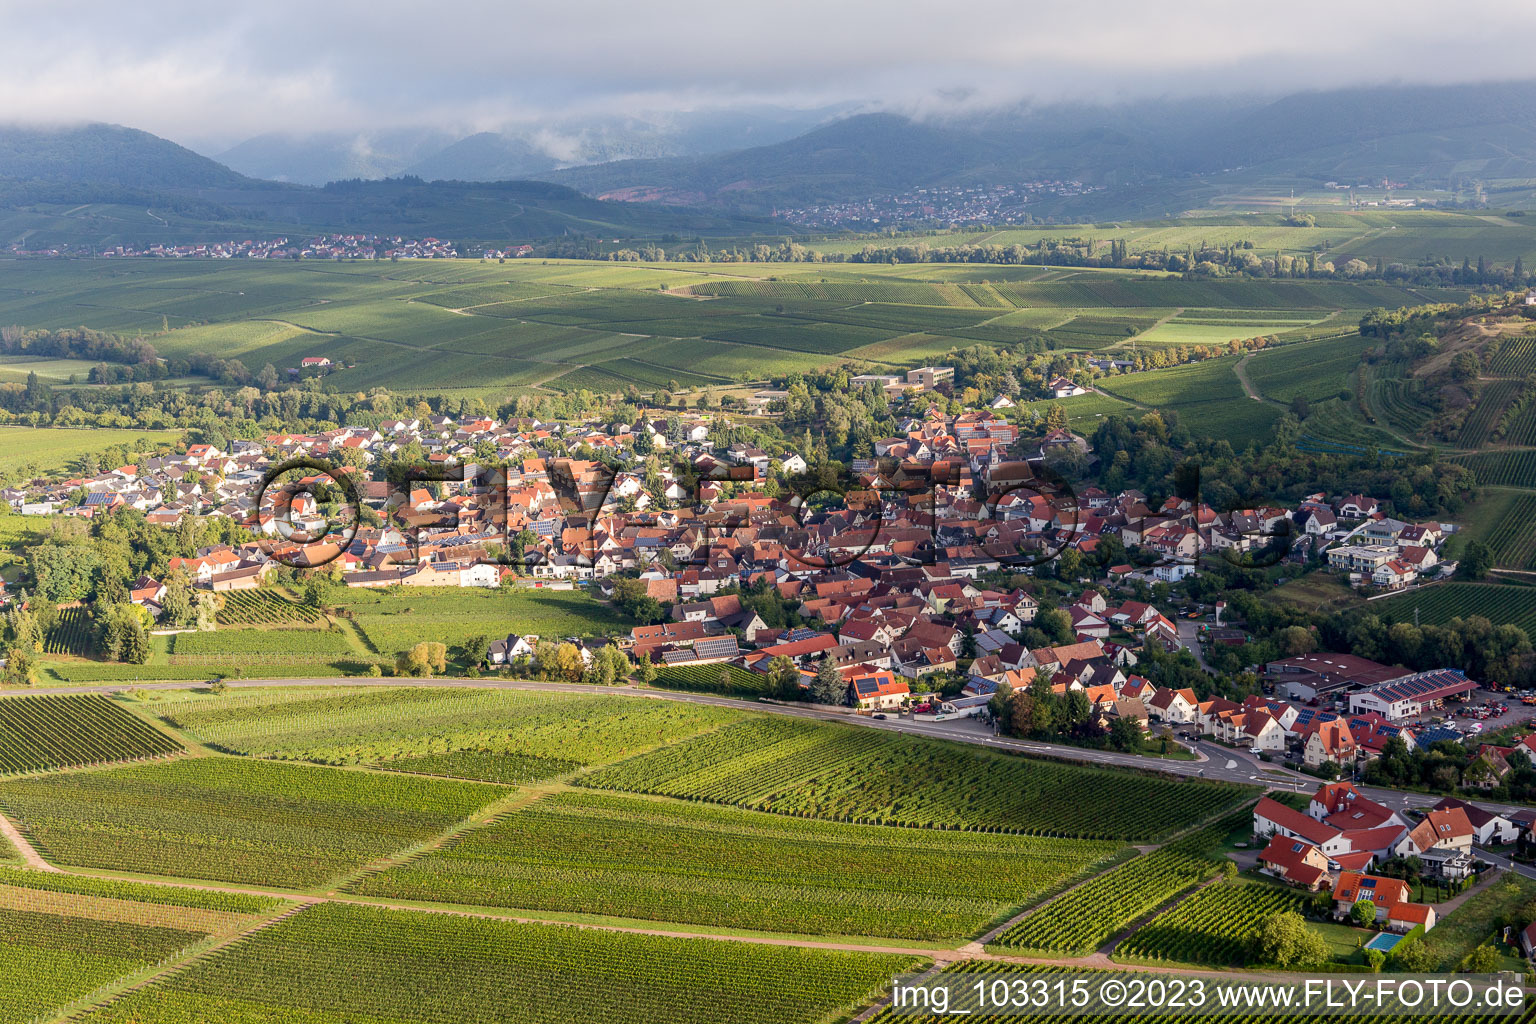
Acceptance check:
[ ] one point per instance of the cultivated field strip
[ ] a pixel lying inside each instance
(38, 733)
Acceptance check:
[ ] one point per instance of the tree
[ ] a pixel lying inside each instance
(423, 659)
(1475, 561)
(1414, 959)
(1363, 913)
(1285, 940)
(206, 614)
(20, 669)
(176, 604)
(1484, 959)
(828, 686)
(1125, 733)
(784, 679)
(645, 670)
(1375, 959)
(564, 662)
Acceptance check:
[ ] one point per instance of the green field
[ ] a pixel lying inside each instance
(39, 733)
(333, 963)
(256, 822)
(56, 949)
(845, 773)
(1472, 924)
(467, 327)
(671, 861)
(393, 621)
(1085, 918)
(1214, 926)
(375, 725)
(1499, 603)
(26, 452)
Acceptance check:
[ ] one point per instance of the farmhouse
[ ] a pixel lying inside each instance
(1443, 841)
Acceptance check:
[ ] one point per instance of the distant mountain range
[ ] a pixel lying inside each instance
(533, 149)
(701, 174)
(1151, 153)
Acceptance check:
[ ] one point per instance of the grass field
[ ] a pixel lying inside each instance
(392, 622)
(334, 963)
(1499, 603)
(376, 725)
(28, 451)
(861, 775)
(232, 820)
(39, 733)
(1472, 924)
(667, 860)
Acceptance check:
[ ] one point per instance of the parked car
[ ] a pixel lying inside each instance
(881, 717)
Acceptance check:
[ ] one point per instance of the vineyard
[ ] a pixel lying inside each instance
(960, 975)
(320, 644)
(233, 820)
(1084, 918)
(370, 726)
(484, 765)
(1437, 605)
(1513, 536)
(71, 633)
(1503, 468)
(707, 865)
(49, 958)
(1491, 400)
(38, 733)
(138, 892)
(865, 776)
(264, 608)
(738, 682)
(335, 962)
(1516, 356)
(1214, 926)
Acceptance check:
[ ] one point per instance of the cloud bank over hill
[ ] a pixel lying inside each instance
(211, 76)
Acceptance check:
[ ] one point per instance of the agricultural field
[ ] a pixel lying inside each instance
(1516, 357)
(372, 726)
(846, 773)
(961, 975)
(469, 327)
(1085, 918)
(1512, 468)
(1497, 602)
(1313, 370)
(253, 644)
(264, 608)
(233, 820)
(1511, 533)
(1207, 397)
(484, 765)
(699, 864)
(70, 633)
(737, 682)
(26, 452)
(334, 962)
(1214, 926)
(394, 621)
(1491, 400)
(40, 733)
(57, 947)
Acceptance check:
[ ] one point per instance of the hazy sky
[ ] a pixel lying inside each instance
(208, 72)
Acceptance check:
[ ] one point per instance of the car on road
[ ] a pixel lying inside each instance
(881, 717)
(1255, 750)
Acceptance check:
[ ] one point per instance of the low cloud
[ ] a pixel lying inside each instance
(196, 72)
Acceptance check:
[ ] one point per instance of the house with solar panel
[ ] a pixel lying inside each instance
(1413, 695)
(881, 690)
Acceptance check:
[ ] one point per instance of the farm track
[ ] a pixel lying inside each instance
(24, 847)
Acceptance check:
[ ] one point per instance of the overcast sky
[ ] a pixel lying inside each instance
(204, 73)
